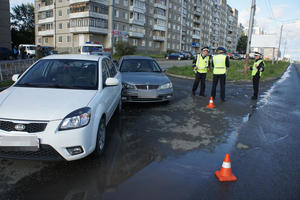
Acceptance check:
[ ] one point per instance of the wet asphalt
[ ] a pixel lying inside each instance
(171, 150)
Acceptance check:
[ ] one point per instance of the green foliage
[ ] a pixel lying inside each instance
(124, 48)
(4, 84)
(236, 69)
(242, 44)
(22, 24)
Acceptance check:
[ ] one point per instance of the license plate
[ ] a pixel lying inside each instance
(18, 143)
(147, 94)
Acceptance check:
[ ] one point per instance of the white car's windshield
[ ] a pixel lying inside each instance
(139, 65)
(31, 48)
(92, 49)
(70, 74)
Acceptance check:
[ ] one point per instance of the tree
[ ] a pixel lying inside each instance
(242, 44)
(22, 24)
(124, 48)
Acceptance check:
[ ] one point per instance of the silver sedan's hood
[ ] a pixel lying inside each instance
(144, 78)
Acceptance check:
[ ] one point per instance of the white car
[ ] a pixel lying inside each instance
(59, 108)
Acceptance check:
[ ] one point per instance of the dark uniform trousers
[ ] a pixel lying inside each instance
(200, 77)
(255, 84)
(216, 78)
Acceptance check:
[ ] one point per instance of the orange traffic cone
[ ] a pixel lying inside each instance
(225, 173)
(211, 103)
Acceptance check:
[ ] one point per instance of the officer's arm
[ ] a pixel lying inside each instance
(227, 61)
(194, 62)
(261, 67)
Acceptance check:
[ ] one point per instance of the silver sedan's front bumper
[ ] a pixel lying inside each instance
(155, 95)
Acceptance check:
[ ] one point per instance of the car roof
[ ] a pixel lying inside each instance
(137, 57)
(75, 57)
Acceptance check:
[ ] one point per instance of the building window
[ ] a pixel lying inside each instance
(124, 27)
(117, 2)
(134, 42)
(39, 40)
(116, 13)
(68, 25)
(46, 40)
(125, 2)
(59, 1)
(150, 44)
(68, 11)
(68, 38)
(126, 15)
(143, 43)
(59, 13)
(60, 39)
(60, 26)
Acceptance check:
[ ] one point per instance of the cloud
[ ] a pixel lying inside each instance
(279, 11)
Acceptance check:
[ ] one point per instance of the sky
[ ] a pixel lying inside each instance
(270, 15)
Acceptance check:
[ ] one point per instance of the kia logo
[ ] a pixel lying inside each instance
(20, 127)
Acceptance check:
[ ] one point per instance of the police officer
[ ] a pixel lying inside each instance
(220, 63)
(201, 66)
(257, 69)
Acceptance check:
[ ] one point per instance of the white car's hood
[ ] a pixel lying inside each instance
(42, 103)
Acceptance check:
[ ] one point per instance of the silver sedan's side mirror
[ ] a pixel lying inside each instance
(111, 82)
(15, 77)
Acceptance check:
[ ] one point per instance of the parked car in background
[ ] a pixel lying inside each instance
(29, 50)
(143, 80)
(48, 50)
(236, 56)
(59, 108)
(5, 53)
(175, 56)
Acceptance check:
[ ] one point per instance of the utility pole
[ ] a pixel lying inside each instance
(284, 48)
(278, 54)
(250, 30)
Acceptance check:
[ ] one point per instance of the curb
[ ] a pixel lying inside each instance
(229, 81)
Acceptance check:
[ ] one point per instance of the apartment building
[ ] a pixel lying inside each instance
(154, 26)
(5, 38)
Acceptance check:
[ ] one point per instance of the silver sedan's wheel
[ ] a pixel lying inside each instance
(101, 137)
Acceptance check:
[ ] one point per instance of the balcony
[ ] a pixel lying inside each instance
(136, 34)
(137, 22)
(157, 27)
(88, 29)
(158, 38)
(196, 37)
(157, 16)
(46, 33)
(196, 21)
(46, 20)
(196, 29)
(160, 5)
(45, 8)
(88, 14)
(138, 9)
(105, 2)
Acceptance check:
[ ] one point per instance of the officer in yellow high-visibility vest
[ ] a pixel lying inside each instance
(257, 69)
(201, 66)
(220, 63)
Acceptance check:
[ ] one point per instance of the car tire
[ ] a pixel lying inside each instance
(120, 106)
(101, 138)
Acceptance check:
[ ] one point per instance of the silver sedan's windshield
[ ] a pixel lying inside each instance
(139, 65)
(70, 74)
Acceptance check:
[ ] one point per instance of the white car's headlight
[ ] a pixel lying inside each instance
(165, 86)
(128, 86)
(76, 119)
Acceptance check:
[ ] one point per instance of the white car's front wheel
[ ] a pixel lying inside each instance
(101, 137)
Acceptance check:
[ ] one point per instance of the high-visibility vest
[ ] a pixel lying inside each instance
(202, 63)
(219, 64)
(255, 66)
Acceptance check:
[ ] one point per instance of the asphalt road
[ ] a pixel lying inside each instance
(171, 150)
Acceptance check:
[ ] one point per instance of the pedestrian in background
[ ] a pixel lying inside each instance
(15, 52)
(201, 66)
(22, 52)
(38, 52)
(257, 69)
(220, 63)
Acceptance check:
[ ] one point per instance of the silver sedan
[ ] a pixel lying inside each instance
(143, 80)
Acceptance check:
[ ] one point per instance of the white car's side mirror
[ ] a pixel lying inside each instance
(111, 82)
(15, 77)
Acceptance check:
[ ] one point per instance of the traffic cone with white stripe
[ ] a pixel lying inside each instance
(211, 103)
(225, 173)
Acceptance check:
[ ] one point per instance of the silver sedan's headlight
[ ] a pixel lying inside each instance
(76, 119)
(128, 86)
(165, 86)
